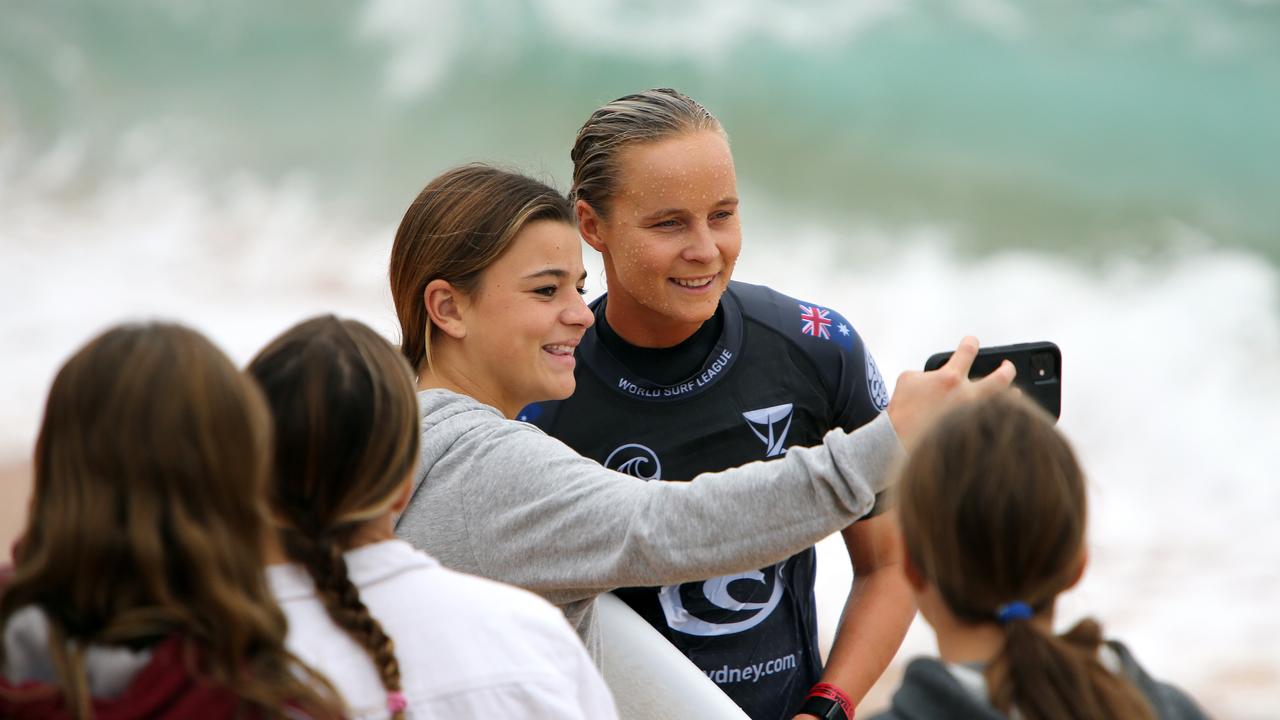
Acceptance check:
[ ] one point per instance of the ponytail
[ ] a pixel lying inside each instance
(346, 416)
(325, 564)
(1052, 677)
(993, 507)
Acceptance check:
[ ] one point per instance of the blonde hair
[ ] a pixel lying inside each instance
(643, 117)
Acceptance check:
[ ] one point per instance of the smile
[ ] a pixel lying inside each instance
(559, 349)
(695, 283)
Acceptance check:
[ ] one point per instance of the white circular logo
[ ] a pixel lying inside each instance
(875, 385)
(713, 597)
(635, 460)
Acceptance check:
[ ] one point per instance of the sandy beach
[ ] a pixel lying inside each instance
(15, 490)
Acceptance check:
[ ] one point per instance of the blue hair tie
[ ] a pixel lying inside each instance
(1016, 610)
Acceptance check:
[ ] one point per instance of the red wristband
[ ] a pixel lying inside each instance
(827, 691)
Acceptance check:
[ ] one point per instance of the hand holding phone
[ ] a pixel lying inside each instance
(1038, 365)
(920, 397)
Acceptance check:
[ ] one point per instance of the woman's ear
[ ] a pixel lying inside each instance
(589, 224)
(915, 578)
(404, 494)
(445, 304)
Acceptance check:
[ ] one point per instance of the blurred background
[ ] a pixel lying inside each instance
(1104, 175)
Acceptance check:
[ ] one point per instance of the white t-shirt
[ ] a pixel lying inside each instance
(467, 647)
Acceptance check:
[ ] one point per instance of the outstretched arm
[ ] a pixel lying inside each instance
(511, 503)
(880, 606)
(878, 612)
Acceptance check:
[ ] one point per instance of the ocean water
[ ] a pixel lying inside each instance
(1102, 175)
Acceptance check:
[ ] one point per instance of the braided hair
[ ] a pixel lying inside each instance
(324, 562)
(346, 416)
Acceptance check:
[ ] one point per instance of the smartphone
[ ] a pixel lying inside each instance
(1039, 366)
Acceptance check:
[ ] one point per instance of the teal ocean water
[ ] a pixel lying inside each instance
(1079, 127)
(1105, 175)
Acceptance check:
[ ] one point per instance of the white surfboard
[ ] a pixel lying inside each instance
(649, 678)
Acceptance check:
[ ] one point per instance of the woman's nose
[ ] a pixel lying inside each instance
(701, 247)
(578, 313)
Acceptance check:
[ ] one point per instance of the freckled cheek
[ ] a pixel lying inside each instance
(633, 268)
(731, 256)
(650, 277)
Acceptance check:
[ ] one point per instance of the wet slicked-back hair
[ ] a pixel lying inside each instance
(993, 509)
(458, 226)
(149, 519)
(643, 117)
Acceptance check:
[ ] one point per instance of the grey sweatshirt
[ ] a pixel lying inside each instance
(931, 690)
(108, 669)
(504, 500)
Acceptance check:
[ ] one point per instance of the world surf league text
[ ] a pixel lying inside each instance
(717, 365)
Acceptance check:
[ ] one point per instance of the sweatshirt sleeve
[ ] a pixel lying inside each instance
(542, 517)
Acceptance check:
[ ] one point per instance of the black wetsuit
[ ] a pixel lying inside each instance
(766, 372)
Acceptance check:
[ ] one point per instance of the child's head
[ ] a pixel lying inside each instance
(346, 419)
(148, 515)
(993, 509)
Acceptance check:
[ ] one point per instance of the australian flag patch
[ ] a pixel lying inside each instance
(826, 324)
(816, 321)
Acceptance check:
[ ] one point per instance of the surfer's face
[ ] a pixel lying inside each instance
(524, 321)
(672, 236)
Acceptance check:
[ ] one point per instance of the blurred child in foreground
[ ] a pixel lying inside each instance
(993, 511)
(139, 589)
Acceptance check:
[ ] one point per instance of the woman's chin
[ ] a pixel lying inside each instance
(566, 391)
(695, 310)
(559, 390)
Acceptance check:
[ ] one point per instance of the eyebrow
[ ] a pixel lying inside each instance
(731, 200)
(556, 273)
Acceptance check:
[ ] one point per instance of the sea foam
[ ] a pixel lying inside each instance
(1169, 364)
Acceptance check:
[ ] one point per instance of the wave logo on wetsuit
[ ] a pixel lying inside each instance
(875, 385)
(723, 605)
(770, 425)
(635, 460)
